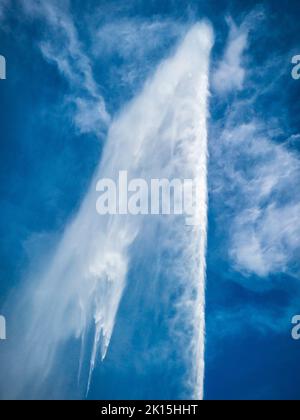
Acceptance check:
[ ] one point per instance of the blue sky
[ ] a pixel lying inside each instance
(71, 69)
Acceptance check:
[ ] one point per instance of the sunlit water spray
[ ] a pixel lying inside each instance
(160, 134)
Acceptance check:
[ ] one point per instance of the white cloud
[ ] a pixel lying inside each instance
(3, 6)
(269, 242)
(254, 178)
(257, 180)
(89, 115)
(293, 140)
(137, 43)
(230, 73)
(133, 38)
(63, 48)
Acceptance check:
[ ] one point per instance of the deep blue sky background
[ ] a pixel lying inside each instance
(46, 164)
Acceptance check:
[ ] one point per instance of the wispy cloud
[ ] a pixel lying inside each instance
(133, 47)
(230, 73)
(4, 4)
(261, 193)
(254, 175)
(63, 48)
(134, 38)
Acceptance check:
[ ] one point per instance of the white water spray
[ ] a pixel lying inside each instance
(160, 134)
